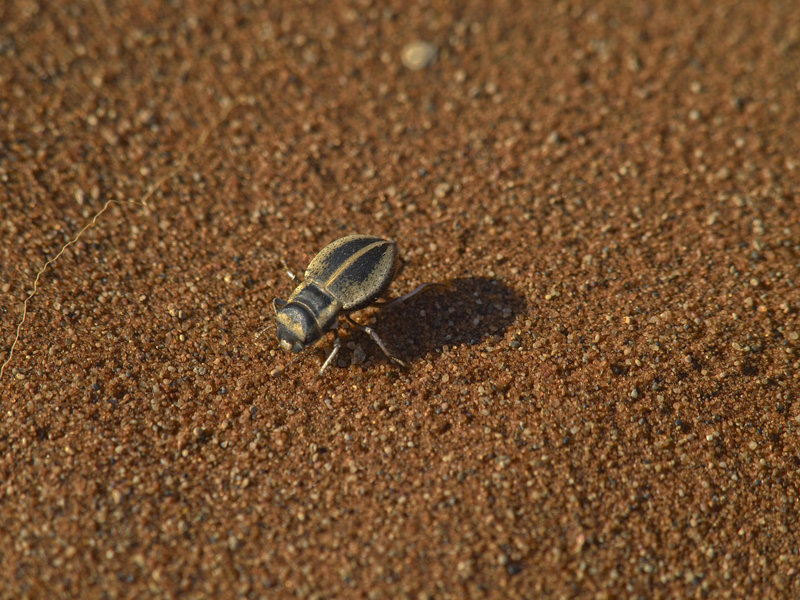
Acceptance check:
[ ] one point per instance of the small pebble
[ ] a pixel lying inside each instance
(359, 356)
(442, 190)
(417, 55)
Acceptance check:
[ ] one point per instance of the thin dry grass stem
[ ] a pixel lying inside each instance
(143, 201)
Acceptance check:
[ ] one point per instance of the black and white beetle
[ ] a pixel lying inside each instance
(347, 275)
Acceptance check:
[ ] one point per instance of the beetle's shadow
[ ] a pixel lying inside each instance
(453, 313)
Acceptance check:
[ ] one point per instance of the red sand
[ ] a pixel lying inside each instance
(602, 402)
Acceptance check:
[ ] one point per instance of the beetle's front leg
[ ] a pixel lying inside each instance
(337, 343)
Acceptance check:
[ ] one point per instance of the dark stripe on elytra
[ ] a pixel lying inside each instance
(363, 267)
(361, 275)
(337, 257)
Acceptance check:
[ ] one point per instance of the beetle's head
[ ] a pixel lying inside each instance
(297, 328)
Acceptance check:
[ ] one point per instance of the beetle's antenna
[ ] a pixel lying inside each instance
(289, 272)
(270, 324)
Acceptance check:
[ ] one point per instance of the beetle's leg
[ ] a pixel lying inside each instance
(337, 343)
(371, 333)
(405, 297)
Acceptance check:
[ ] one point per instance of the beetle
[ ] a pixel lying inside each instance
(347, 275)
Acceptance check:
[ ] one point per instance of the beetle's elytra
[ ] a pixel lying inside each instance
(347, 275)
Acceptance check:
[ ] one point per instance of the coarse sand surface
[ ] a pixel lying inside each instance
(601, 397)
